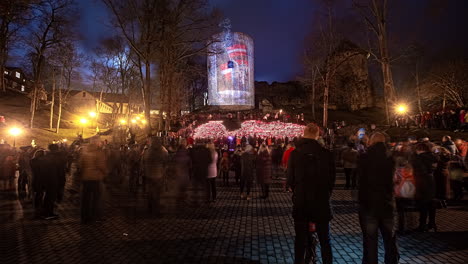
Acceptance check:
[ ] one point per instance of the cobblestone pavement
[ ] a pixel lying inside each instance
(230, 230)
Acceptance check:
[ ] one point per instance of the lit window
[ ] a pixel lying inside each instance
(18, 75)
(22, 88)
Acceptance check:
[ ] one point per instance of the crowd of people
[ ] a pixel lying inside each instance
(453, 120)
(385, 175)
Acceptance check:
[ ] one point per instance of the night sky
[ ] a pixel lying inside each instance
(279, 28)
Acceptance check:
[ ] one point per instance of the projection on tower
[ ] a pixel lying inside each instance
(231, 71)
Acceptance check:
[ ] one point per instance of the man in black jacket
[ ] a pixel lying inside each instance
(53, 179)
(376, 205)
(311, 175)
(201, 158)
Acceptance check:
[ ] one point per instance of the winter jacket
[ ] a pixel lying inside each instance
(463, 148)
(311, 175)
(201, 158)
(263, 168)
(349, 157)
(285, 159)
(55, 165)
(183, 165)
(450, 146)
(156, 161)
(424, 165)
(248, 162)
(92, 164)
(376, 171)
(212, 167)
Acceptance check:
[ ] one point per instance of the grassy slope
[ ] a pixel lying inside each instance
(15, 108)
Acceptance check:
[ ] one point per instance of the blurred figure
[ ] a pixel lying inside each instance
(449, 145)
(311, 176)
(212, 174)
(462, 147)
(7, 166)
(264, 170)
(38, 174)
(349, 158)
(93, 169)
(424, 164)
(441, 174)
(225, 168)
(183, 166)
(236, 163)
(376, 204)
(201, 159)
(156, 159)
(248, 170)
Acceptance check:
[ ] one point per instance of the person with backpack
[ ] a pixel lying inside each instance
(376, 202)
(311, 177)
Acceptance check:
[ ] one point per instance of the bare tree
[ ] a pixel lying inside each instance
(14, 14)
(53, 24)
(374, 13)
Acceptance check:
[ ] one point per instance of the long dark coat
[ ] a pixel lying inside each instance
(423, 170)
(311, 175)
(264, 168)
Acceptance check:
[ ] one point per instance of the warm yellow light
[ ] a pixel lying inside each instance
(64, 140)
(123, 121)
(92, 114)
(14, 131)
(401, 109)
(83, 121)
(133, 121)
(138, 118)
(143, 121)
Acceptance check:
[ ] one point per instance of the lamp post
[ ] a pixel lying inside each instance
(14, 131)
(83, 122)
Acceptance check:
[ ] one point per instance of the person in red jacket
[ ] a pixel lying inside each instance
(462, 147)
(286, 155)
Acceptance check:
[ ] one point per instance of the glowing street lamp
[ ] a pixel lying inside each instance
(123, 121)
(14, 131)
(401, 109)
(92, 114)
(133, 121)
(143, 121)
(83, 122)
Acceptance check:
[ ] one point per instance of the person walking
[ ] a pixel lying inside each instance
(201, 158)
(247, 173)
(424, 163)
(311, 176)
(264, 170)
(376, 202)
(155, 160)
(53, 179)
(212, 174)
(183, 166)
(236, 163)
(38, 175)
(93, 169)
(225, 168)
(349, 158)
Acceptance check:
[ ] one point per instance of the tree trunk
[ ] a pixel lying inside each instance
(418, 90)
(52, 101)
(59, 116)
(325, 100)
(313, 95)
(147, 96)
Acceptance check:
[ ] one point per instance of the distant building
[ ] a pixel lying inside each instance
(16, 80)
(84, 101)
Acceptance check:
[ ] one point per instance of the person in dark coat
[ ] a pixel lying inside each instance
(311, 176)
(248, 162)
(441, 174)
(376, 202)
(264, 170)
(38, 170)
(424, 164)
(236, 163)
(53, 180)
(156, 162)
(183, 166)
(449, 145)
(201, 159)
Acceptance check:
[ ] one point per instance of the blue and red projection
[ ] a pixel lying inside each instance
(231, 71)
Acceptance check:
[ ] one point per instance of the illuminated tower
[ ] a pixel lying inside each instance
(231, 71)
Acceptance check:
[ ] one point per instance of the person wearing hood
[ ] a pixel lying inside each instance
(424, 163)
(376, 169)
(248, 162)
(311, 176)
(449, 145)
(93, 170)
(156, 159)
